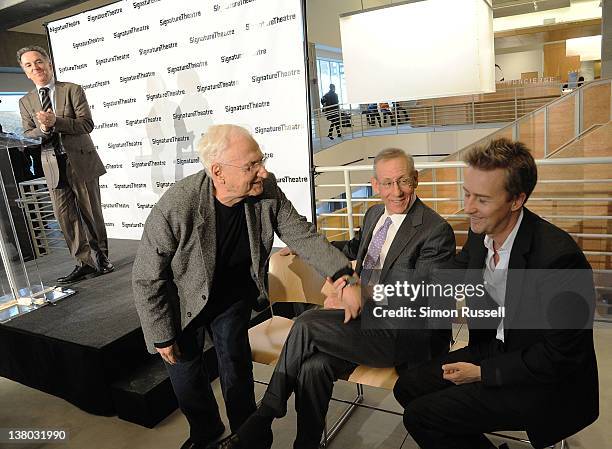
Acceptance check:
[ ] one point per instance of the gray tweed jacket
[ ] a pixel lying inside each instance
(173, 271)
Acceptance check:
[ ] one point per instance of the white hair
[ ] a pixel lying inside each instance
(216, 140)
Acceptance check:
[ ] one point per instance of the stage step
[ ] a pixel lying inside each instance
(145, 397)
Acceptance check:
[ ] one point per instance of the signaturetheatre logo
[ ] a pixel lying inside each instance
(136, 76)
(120, 34)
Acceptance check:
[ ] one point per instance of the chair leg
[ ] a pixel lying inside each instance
(328, 435)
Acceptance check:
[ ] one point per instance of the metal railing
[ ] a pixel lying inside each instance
(433, 166)
(504, 106)
(539, 132)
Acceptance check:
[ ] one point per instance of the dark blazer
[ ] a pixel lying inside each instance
(73, 123)
(561, 364)
(424, 241)
(175, 264)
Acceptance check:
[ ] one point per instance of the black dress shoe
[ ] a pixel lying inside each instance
(214, 436)
(104, 265)
(79, 273)
(231, 442)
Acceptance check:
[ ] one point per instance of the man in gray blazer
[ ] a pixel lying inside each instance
(401, 240)
(202, 264)
(58, 113)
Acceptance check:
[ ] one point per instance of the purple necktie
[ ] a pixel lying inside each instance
(373, 255)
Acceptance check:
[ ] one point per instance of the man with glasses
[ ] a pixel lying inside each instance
(401, 240)
(202, 264)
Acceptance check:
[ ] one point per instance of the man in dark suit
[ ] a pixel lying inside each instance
(520, 372)
(202, 264)
(58, 113)
(402, 239)
(332, 111)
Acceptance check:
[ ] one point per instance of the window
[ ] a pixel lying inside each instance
(331, 71)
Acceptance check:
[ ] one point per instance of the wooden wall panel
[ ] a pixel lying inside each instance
(560, 123)
(531, 133)
(557, 64)
(596, 100)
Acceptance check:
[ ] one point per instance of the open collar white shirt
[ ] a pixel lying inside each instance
(495, 276)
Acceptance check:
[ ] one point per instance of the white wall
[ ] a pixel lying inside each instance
(513, 64)
(323, 18)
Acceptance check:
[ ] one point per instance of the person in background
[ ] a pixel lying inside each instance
(331, 109)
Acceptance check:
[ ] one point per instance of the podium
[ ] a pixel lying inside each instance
(21, 289)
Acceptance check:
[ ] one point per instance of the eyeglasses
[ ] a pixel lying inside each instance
(251, 166)
(402, 183)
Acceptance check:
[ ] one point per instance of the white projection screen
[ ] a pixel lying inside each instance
(158, 73)
(423, 49)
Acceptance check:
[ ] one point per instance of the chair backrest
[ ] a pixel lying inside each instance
(291, 279)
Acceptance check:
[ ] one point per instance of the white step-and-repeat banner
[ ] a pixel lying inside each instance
(157, 73)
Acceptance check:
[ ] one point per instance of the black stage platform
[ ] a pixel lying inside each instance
(78, 348)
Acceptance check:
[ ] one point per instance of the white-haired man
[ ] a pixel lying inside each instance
(202, 263)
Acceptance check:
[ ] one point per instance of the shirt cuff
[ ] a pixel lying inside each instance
(348, 271)
(165, 344)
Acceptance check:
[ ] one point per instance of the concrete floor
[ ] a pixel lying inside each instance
(23, 407)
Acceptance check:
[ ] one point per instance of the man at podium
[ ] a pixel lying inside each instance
(58, 113)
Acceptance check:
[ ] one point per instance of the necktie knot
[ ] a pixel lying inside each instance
(44, 90)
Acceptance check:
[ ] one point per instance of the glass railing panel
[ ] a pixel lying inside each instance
(531, 133)
(425, 188)
(446, 195)
(561, 123)
(596, 104)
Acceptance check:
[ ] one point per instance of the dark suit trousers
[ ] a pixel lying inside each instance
(320, 349)
(334, 122)
(441, 415)
(189, 377)
(78, 210)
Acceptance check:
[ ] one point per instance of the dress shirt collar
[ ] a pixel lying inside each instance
(507, 245)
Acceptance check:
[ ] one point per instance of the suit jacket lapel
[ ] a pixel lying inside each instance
(60, 99)
(477, 250)
(34, 102)
(414, 219)
(366, 233)
(206, 229)
(517, 265)
(252, 210)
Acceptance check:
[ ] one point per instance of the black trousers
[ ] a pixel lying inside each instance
(334, 121)
(320, 349)
(189, 377)
(441, 415)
